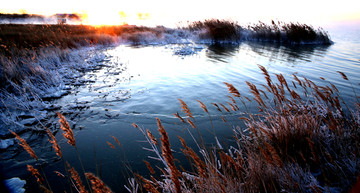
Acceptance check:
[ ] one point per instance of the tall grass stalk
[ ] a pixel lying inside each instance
(69, 135)
(31, 152)
(302, 140)
(298, 143)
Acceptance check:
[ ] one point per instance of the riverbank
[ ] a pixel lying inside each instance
(38, 62)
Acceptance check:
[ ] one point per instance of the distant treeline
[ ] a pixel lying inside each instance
(17, 16)
(20, 16)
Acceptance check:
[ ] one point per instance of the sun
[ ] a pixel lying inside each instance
(98, 17)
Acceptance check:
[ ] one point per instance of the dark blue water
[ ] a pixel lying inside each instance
(144, 82)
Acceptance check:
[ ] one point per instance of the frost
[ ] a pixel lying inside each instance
(187, 49)
(15, 185)
(5, 143)
(30, 103)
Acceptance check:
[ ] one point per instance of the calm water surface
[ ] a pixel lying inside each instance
(141, 83)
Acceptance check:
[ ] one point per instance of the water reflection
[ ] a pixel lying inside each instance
(222, 52)
(288, 53)
(139, 83)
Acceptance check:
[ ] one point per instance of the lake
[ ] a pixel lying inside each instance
(136, 84)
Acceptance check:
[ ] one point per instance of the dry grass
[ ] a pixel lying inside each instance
(22, 45)
(169, 158)
(68, 133)
(217, 30)
(278, 32)
(97, 185)
(75, 176)
(36, 174)
(303, 140)
(288, 33)
(295, 144)
(54, 142)
(25, 145)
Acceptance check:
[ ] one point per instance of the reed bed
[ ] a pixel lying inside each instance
(217, 30)
(226, 31)
(304, 138)
(23, 45)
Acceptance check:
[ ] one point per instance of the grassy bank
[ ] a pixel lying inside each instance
(304, 138)
(22, 45)
(276, 32)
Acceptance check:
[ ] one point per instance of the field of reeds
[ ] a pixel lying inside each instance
(302, 137)
(305, 137)
(277, 32)
(21, 45)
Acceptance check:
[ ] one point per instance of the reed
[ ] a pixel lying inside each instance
(54, 142)
(75, 176)
(151, 136)
(68, 133)
(36, 174)
(25, 145)
(232, 90)
(179, 117)
(185, 108)
(34, 171)
(111, 145)
(218, 30)
(117, 141)
(304, 138)
(287, 143)
(97, 185)
(168, 156)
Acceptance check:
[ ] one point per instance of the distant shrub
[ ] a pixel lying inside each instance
(218, 30)
(288, 33)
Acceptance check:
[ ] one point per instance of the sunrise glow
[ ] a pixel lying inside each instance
(161, 12)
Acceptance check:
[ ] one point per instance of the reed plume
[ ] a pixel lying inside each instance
(68, 133)
(232, 100)
(53, 141)
(202, 105)
(179, 117)
(225, 108)
(191, 123)
(265, 72)
(185, 108)
(167, 154)
(147, 184)
(232, 90)
(232, 106)
(75, 176)
(343, 75)
(201, 166)
(151, 136)
(217, 107)
(59, 174)
(25, 145)
(135, 125)
(97, 185)
(35, 173)
(110, 144)
(148, 165)
(117, 141)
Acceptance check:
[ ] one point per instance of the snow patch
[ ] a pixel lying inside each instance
(187, 49)
(15, 185)
(5, 143)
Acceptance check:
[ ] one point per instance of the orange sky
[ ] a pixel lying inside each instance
(165, 12)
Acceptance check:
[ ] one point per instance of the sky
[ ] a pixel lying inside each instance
(168, 13)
